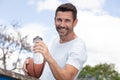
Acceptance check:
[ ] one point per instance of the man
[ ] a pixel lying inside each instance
(67, 54)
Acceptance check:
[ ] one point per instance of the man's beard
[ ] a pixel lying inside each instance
(62, 33)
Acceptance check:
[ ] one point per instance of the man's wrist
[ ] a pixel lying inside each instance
(50, 60)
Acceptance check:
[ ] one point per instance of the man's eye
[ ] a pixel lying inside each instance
(59, 20)
(67, 20)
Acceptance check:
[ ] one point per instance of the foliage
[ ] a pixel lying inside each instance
(11, 43)
(99, 72)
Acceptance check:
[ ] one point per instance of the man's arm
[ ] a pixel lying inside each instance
(67, 73)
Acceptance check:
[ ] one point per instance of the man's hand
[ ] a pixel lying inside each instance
(25, 66)
(40, 47)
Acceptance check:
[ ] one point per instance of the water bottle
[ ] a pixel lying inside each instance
(37, 57)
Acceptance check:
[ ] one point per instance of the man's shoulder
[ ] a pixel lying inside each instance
(79, 41)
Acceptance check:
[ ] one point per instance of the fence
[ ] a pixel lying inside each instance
(8, 75)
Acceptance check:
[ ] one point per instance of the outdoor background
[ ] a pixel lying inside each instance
(98, 24)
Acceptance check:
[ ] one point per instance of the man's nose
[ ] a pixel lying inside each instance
(62, 24)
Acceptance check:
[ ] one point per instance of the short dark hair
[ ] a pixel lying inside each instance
(67, 7)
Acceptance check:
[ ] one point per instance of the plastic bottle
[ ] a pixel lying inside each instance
(37, 57)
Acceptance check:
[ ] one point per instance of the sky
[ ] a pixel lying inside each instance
(98, 24)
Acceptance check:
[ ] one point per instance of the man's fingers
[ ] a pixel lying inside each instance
(25, 66)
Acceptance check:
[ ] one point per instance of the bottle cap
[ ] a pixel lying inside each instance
(37, 38)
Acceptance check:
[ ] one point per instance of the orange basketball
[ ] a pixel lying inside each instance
(34, 70)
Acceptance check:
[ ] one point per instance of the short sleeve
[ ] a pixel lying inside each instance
(77, 56)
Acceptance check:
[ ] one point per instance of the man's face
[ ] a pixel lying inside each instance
(64, 23)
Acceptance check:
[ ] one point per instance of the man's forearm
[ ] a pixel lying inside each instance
(58, 72)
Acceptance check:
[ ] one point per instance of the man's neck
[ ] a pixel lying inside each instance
(67, 38)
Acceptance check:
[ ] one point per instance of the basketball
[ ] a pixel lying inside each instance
(34, 70)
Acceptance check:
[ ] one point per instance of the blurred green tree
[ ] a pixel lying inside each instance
(99, 72)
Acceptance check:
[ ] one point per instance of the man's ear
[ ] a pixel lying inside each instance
(75, 22)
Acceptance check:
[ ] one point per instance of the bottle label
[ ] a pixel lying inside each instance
(38, 58)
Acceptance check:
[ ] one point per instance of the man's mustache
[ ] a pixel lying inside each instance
(60, 27)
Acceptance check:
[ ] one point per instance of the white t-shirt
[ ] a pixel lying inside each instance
(72, 52)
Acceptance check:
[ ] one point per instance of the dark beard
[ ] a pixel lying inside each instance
(60, 27)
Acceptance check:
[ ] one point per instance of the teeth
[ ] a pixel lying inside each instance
(62, 28)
